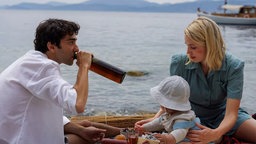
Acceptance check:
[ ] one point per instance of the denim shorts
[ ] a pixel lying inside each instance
(242, 117)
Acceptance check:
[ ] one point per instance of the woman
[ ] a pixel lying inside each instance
(216, 84)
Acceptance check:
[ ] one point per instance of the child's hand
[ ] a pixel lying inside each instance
(165, 138)
(139, 129)
(142, 122)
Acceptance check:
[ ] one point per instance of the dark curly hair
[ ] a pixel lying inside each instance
(53, 30)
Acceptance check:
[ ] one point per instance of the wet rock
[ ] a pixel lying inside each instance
(136, 73)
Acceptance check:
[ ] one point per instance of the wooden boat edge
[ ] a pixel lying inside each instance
(117, 121)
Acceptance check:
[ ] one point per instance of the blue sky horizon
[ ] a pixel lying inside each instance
(13, 2)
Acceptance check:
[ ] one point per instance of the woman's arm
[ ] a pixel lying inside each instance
(230, 117)
(206, 135)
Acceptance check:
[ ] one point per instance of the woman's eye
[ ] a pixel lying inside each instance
(193, 47)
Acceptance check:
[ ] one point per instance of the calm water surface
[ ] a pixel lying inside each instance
(130, 41)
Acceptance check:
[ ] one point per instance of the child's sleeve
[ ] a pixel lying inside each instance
(181, 127)
(154, 125)
(179, 134)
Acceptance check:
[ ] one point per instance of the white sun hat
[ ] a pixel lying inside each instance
(173, 93)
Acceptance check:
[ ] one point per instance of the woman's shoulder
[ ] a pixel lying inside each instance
(179, 58)
(230, 57)
(233, 61)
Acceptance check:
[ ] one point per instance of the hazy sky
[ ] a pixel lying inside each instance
(11, 2)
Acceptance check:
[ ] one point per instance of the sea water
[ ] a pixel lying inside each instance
(131, 41)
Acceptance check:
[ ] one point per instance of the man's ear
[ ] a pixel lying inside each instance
(50, 46)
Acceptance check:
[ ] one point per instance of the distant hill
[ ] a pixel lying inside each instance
(129, 6)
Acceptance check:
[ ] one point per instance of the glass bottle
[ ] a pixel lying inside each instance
(107, 70)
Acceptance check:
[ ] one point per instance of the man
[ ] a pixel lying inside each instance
(33, 93)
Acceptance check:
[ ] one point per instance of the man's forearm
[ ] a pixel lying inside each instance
(81, 87)
(111, 131)
(72, 128)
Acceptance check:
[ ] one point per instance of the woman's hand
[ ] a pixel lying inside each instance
(202, 136)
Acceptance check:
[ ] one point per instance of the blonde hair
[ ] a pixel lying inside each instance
(205, 32)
